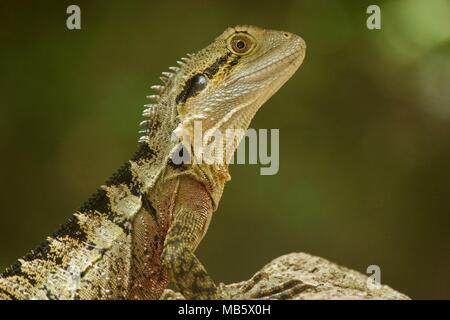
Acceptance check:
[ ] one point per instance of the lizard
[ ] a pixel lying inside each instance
(140, 230)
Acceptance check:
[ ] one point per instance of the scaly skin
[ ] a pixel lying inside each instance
(140, 230)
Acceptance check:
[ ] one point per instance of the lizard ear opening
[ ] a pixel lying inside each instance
(199, 82)
(192, 87)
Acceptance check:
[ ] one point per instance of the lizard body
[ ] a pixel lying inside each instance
(140, 230)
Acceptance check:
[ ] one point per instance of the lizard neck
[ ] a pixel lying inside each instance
(213, 177)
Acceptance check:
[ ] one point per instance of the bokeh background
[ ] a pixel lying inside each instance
(364, 129)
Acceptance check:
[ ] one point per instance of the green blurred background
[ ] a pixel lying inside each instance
(364, 129)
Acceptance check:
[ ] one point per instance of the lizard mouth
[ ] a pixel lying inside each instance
(286, 65)
(269, 79)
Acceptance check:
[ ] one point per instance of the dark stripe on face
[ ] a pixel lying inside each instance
(195, 84)
(215, 67)
(235, 61)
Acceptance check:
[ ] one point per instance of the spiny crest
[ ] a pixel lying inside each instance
(151, 110)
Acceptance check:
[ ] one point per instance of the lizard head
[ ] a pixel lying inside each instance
(223, 85)
(228, 81)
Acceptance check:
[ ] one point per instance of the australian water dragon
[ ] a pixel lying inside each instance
(140, 230)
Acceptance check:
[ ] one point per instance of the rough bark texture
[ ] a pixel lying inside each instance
(309, 278)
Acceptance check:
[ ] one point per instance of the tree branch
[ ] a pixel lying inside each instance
(302, 276)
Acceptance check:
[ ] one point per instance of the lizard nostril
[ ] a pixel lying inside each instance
(286, 35)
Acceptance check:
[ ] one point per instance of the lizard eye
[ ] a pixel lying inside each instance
(240, 44)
